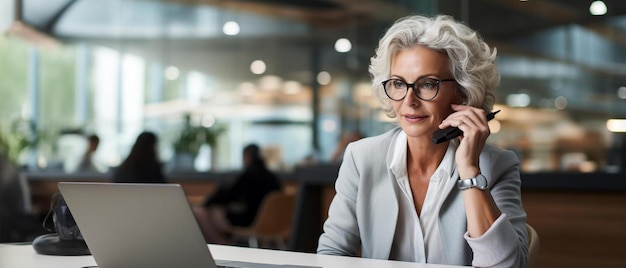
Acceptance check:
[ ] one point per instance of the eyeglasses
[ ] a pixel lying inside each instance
(425, 88)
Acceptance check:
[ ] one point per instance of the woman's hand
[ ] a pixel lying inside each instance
(473, 122)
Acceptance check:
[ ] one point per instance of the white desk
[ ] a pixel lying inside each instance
(23, 256)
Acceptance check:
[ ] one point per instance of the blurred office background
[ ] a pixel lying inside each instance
(291, 76)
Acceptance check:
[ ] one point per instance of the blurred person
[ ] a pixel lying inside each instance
(87, 162)
(237, 204)
(399, 196)
(17, 223)
(142, 164)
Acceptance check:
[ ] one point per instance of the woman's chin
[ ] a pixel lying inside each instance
(414, 132)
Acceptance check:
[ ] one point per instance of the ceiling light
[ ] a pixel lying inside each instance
(343, 45)
(597, 8)
(323, 78)
(247, 89)
(621, 93)
(172, 73)
(616, 125)
(518, 100)
(208, 121)
(292, 87)
(231, 28)
(560, 103)
(258, 67)
(270, 82)
(329, 125)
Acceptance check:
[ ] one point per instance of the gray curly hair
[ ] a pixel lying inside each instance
(472, 62)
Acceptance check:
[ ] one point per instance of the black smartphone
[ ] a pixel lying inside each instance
(449, 133)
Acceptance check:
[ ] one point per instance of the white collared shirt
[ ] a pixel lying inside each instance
(417, 238)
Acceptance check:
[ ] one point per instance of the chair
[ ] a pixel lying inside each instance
(533, 246)
(272, 223)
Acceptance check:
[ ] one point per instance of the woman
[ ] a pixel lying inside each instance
(415, 200)
(237, 204)
(142, 164)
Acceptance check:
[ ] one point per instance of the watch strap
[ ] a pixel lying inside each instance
(479, 182)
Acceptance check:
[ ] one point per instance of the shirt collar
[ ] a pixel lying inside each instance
(398, 162)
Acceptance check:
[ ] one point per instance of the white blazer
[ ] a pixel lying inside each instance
(364, 212)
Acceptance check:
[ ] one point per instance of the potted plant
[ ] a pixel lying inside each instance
(191, 139)
(19, 136)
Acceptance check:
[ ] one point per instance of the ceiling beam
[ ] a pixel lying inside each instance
(49, 26)
(383, 10)
(544, 9)
(616, 35)
(560, 13)
(323, 17)
(347, 12)
(32, 35)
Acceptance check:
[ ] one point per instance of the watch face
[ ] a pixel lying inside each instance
(481, 182)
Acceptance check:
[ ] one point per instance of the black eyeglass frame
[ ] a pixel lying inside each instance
(413, 85)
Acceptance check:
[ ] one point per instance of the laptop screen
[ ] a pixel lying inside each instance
(137, 225)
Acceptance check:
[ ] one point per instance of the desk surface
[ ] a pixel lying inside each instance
(24, 256)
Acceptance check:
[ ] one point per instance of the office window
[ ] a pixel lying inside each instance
(13, 79)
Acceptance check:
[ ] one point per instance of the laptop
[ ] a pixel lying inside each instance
(140, 225)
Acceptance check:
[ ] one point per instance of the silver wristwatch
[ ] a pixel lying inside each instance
(479, 182)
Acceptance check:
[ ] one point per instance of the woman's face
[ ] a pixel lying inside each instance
(419, 118)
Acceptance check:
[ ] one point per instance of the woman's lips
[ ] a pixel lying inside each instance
(413, 118)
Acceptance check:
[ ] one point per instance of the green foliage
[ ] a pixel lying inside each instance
(193, 137)
(55, 84)
(20, 135)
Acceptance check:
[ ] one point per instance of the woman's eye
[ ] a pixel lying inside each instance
(429, 85)
(398, 84)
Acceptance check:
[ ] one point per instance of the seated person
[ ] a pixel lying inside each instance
(142, 164)
(87, 162)
(237, 204)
